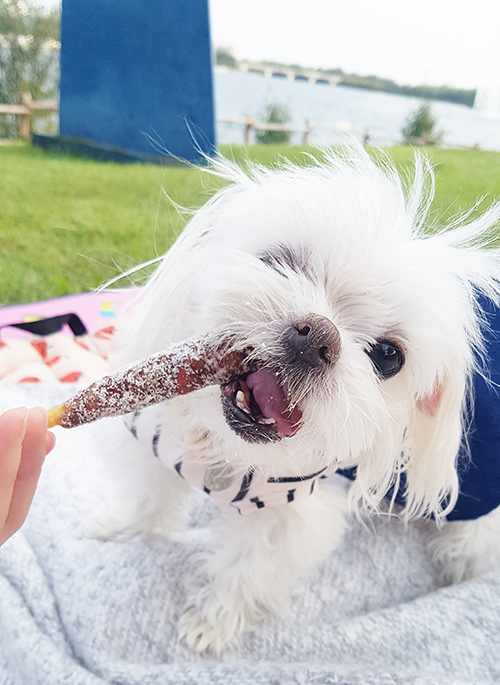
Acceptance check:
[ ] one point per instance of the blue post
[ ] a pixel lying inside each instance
(137, 71)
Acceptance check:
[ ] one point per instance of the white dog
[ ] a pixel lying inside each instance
(366, 332)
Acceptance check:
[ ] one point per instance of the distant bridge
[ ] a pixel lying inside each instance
(306, 75)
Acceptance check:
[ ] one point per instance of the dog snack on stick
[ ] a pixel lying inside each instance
(180, 369)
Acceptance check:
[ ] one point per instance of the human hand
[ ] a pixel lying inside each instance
(24, 443)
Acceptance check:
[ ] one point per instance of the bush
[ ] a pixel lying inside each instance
(420, 127)
(274, 114)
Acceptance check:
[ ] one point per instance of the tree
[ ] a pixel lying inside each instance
(420, 127)
(225, 59)
(29, 54)
(274, 114)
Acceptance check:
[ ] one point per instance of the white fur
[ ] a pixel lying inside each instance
(466, 549)
(366, 262)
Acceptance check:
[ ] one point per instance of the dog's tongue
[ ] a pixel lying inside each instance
(273, 401)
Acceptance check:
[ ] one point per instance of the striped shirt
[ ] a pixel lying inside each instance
(246, 491)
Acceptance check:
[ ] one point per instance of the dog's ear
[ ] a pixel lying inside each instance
(435, 434)
(429, 404)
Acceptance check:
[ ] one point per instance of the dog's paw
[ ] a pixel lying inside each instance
(120, 526)
(105, 527)
(466, 549)
(213, 631)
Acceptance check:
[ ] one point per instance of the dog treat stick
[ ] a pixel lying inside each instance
(178, 370)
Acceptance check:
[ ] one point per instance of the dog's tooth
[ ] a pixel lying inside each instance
(267, 422)
(241, 402)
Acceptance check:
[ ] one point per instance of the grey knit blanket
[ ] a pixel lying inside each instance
(77, 611)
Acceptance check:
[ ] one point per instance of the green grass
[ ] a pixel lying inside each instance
(67, 225)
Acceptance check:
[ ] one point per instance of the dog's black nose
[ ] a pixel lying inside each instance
(314, 341)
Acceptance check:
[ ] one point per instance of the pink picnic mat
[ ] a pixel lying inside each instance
(96, 310)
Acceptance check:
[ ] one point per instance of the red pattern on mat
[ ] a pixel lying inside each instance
(56, 358)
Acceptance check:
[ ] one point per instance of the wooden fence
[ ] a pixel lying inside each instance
(25, 111)
(28, 106)
(250, 125)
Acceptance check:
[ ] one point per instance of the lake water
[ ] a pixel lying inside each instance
(332, 108)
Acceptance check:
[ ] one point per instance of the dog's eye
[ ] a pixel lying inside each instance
(387, 358)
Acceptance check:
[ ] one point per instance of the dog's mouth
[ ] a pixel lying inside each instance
(257, 407)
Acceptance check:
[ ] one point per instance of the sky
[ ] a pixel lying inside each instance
(437, 42)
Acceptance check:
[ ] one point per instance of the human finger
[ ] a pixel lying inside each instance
(33, 451)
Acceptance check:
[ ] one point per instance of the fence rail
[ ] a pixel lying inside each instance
(250, 125)
(28, 106)
(25, 111)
